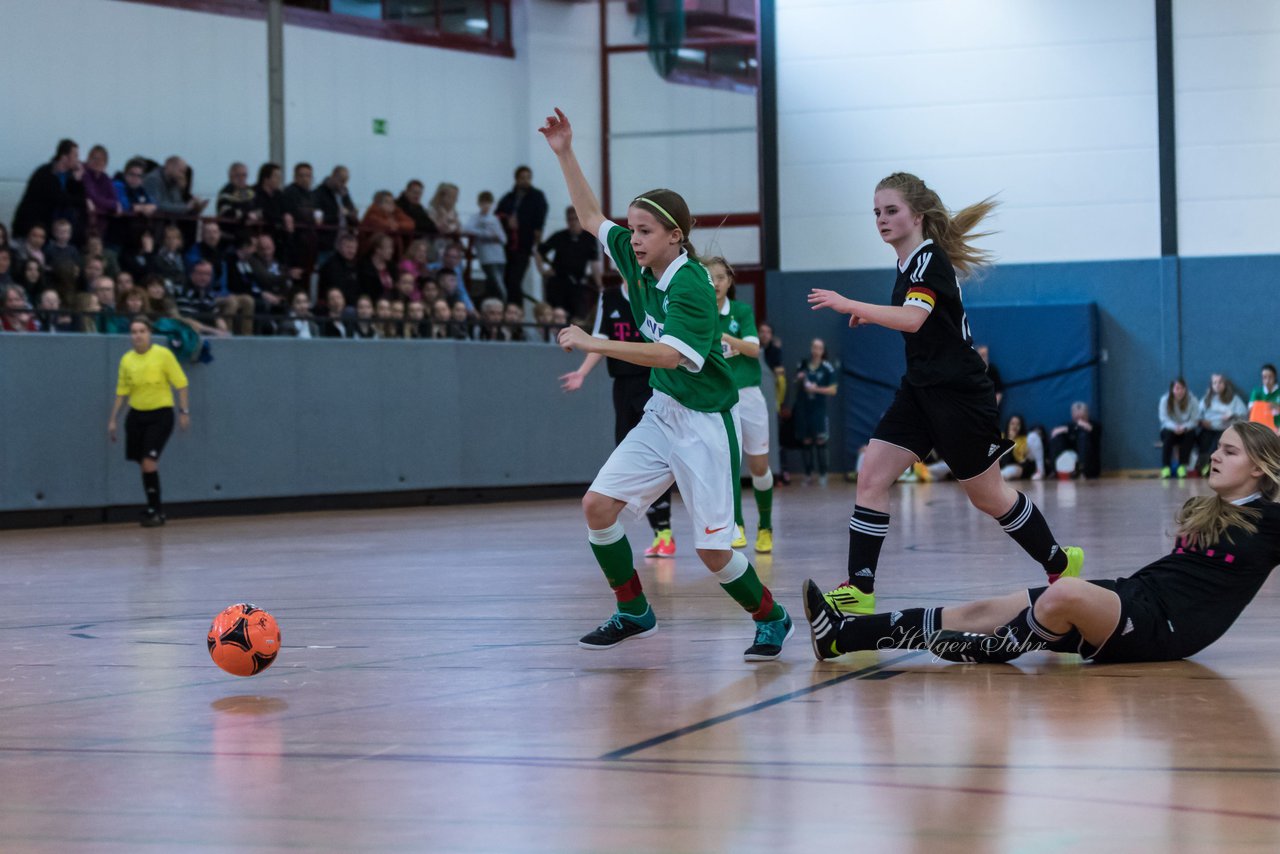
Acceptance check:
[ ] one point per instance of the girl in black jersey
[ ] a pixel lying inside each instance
(946, 401)
(1226, 546)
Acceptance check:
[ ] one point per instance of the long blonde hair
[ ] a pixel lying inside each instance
(952, 232)
(1203, 521)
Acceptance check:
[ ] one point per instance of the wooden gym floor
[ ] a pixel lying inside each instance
(430, 695)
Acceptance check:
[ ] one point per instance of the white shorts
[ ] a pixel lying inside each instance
(753, 414)
(695, 449)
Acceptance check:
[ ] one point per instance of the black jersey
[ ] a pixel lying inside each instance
(1204, 590)
(941, 351)
(614, 323)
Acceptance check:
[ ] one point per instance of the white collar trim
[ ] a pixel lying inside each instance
(902, 267)
(724, 310)
(670, 272)
(1240, 502)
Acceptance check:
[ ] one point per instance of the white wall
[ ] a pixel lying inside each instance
(1227, 83)
(1050, 103)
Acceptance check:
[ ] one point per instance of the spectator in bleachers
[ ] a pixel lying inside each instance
(543, 315)
(430, 292)
(452, 257)
(94, 268)
(341, 270)
(6, 265)
(523, 212)
(416, 324)
(95, 248)
(299, 204)
(513, 317)
(1179, 414)
(137, 261)
(443, 210)
(1219, 409)
(569, 262)
(160, 303)
(460, 326)
(410, 202)
(99, 190)
(131, 192)
(1026, 458)
(18, 316)
(268, 199)
(383, 218)
(450, 291)
(168, 187)
(236, 201)
(104, 289)
(31, 248)
(365, 325)
(335, 323)
(491, 327)
(167, 262)
(1083, 438)
(334, 203)
(377, 277)
(51, 317)
(60, 251)
(210, 249)
(441, 318)
(5, 242)
(199, 301)
(86, 303)
(386, 325)
(133, 303)
(415, 260)
(123, 281)
(271, 276)
(1268, 392)
(299, 321)
(487, 238)
(30, 277)
(407, 287)
(399, 311)
(243, 284)
(54, 191)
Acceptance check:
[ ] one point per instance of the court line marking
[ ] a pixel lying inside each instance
(623, 752)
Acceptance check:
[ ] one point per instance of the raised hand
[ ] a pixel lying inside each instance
(558, 132)
(571, 381)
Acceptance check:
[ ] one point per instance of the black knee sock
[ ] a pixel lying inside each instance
(907, 629)
(1026, 633)
(806, 455)
(1028, 528)
(151, 484)
(867, 530)
(659, 512)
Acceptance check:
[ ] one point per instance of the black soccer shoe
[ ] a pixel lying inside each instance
(973, 647)
(824, 622)
(618, 628)
(151, 519)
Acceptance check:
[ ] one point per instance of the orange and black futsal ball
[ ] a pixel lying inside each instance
(244, 640)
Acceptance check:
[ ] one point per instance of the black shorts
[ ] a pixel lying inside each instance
(961, 425)
(630, 393)
(1141, 634)
(145, 433)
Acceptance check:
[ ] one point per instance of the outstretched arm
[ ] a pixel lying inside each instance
(904, 318)
(644, 354)
(559, 135)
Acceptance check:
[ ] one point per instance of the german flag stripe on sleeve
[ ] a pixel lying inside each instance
(921, 298)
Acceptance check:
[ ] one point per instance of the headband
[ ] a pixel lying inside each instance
(659, 208)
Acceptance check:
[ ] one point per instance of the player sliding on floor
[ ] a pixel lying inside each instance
(946, 400)
(1227, 544)
(687, 433)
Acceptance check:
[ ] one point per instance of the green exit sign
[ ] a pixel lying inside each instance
(379, 127)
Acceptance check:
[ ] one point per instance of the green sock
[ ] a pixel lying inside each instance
(615, 559)
(764, 503)
(752, 595)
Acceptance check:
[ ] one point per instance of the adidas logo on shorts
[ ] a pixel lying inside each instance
(1128, 626)
(992, 450)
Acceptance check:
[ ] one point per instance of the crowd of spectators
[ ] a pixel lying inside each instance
(90, 249)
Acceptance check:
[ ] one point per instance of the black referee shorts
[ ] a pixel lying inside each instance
(145, 433)
(961, 425)
(630, 393)
(1141, 634)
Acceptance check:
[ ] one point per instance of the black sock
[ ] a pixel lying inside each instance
(659, 512)
(1028, 528)
(806, 455)
(820, 451)
(151, 484)
(867, 530)
(1025, 632)
(907, 629)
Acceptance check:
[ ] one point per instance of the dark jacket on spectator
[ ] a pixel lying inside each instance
(342, 274)
(331, 328)
(130, 196)
(372, 282)
(530, 211)
(301, 204)
(241, 277)
(217, 258)
(422, 223)
(197, 303)
(332, 205)
(49, 196)
(235, 204)
(170, 268)
(271, 277)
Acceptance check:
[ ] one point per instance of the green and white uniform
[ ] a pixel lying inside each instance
(737, 319)
(687, 433)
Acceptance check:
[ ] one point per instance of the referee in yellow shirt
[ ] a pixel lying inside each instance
(148, 375)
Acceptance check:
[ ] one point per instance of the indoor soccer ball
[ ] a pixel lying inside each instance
(244, 640)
